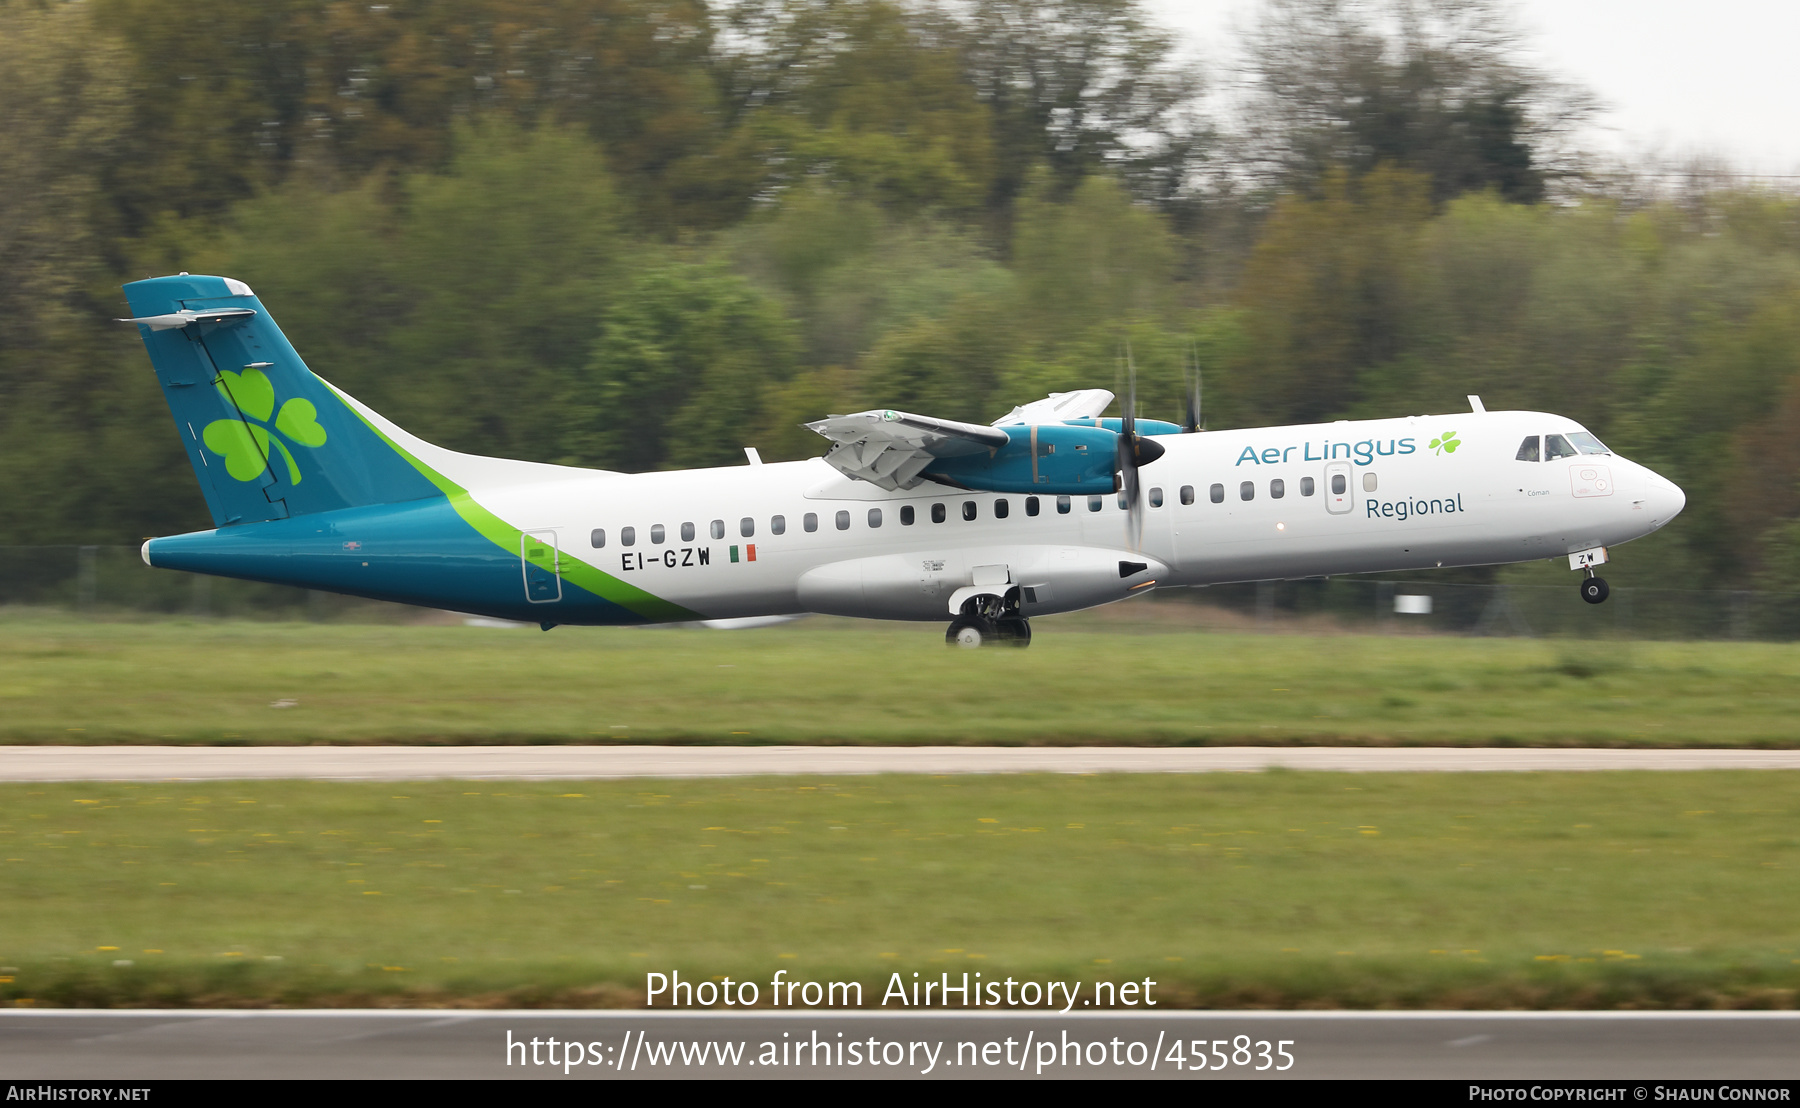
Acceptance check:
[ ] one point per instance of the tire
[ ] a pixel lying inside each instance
(1015, 631)
(970, 632)
(1594, 590)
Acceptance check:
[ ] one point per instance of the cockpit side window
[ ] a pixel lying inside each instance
(1555, 446)
(1587, 443)
(1528, 450)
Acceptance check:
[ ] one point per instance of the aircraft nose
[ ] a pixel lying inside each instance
(1666, 499)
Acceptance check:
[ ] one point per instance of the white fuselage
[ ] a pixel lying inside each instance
(1219, 506)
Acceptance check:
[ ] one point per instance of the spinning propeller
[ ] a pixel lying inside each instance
(1134, 450)
(1191, 422)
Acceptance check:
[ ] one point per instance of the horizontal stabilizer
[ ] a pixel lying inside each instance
(187, 317)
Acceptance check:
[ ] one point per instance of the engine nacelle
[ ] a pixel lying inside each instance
(1117, 425)
(921, 584)
(1053, 458)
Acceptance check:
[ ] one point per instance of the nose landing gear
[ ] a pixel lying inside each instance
(1593, 589)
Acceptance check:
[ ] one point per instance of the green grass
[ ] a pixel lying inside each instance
(821, 681)
(1279, 888)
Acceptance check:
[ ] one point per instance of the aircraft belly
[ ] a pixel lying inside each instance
(1320, 549)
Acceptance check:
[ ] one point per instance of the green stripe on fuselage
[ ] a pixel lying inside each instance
(509, 538)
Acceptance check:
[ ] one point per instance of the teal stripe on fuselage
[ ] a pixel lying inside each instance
(419, 552)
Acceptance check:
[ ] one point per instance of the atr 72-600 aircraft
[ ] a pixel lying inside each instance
(1048, 509)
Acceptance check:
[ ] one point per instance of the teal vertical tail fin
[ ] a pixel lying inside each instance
(266, 437)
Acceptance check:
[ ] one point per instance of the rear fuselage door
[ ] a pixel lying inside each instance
(543, 571)
(1340, 497)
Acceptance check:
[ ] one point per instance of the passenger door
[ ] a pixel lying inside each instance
(542, 566)
(1340, 495)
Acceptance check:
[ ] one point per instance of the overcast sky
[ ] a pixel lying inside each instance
(1679, 77)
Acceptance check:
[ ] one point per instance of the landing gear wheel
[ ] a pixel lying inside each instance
(1014, 631)
(970, 632)
(1594, 590)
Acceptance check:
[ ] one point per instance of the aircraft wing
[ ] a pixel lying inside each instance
(889, 448)
(1059, 406)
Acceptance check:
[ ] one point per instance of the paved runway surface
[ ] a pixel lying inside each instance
(1635, 1046)
(162, 763)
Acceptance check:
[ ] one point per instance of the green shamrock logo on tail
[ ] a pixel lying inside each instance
(244, 444)
(1445, 443)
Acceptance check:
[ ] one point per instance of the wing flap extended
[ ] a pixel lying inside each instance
(890, 449)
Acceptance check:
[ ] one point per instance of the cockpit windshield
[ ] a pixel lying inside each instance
(1587, 443)
(1555, 446)
(1560, 446)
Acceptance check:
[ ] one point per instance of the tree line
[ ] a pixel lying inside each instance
(642, 234)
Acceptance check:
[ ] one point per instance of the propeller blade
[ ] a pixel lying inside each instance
(1129, 423)
(1191, 423)
(1129, 489)
(1131, 454)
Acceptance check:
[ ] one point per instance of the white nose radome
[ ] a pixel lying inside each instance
(1666, 500)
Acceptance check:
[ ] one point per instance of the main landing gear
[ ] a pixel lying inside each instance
(987, 621)
(1593, 589)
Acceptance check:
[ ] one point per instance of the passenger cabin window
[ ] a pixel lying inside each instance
(1339, 484)
(1094, 503)
(627, 536)
(747, 527)
(1306, 486)
(1156, 498)
(1369, 481)
(937, 513)
(1555, 446)
(1031, 505)
(1216, 494)
(810, 522)
(777, 525)
(718, 528)
(1002, 509)
(906, 515)
(1528, 450)
(1247, 491)
(1122, 504)
(1587, 443)
(597, 537)
(1062, 505)
(969, 510)
(657, 534)
(874, 517)
(687, 532)
(1277, 489)
(843, 521)
(1187, 494)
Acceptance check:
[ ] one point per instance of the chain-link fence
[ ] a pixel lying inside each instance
(1427, 606)
(114, 579)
